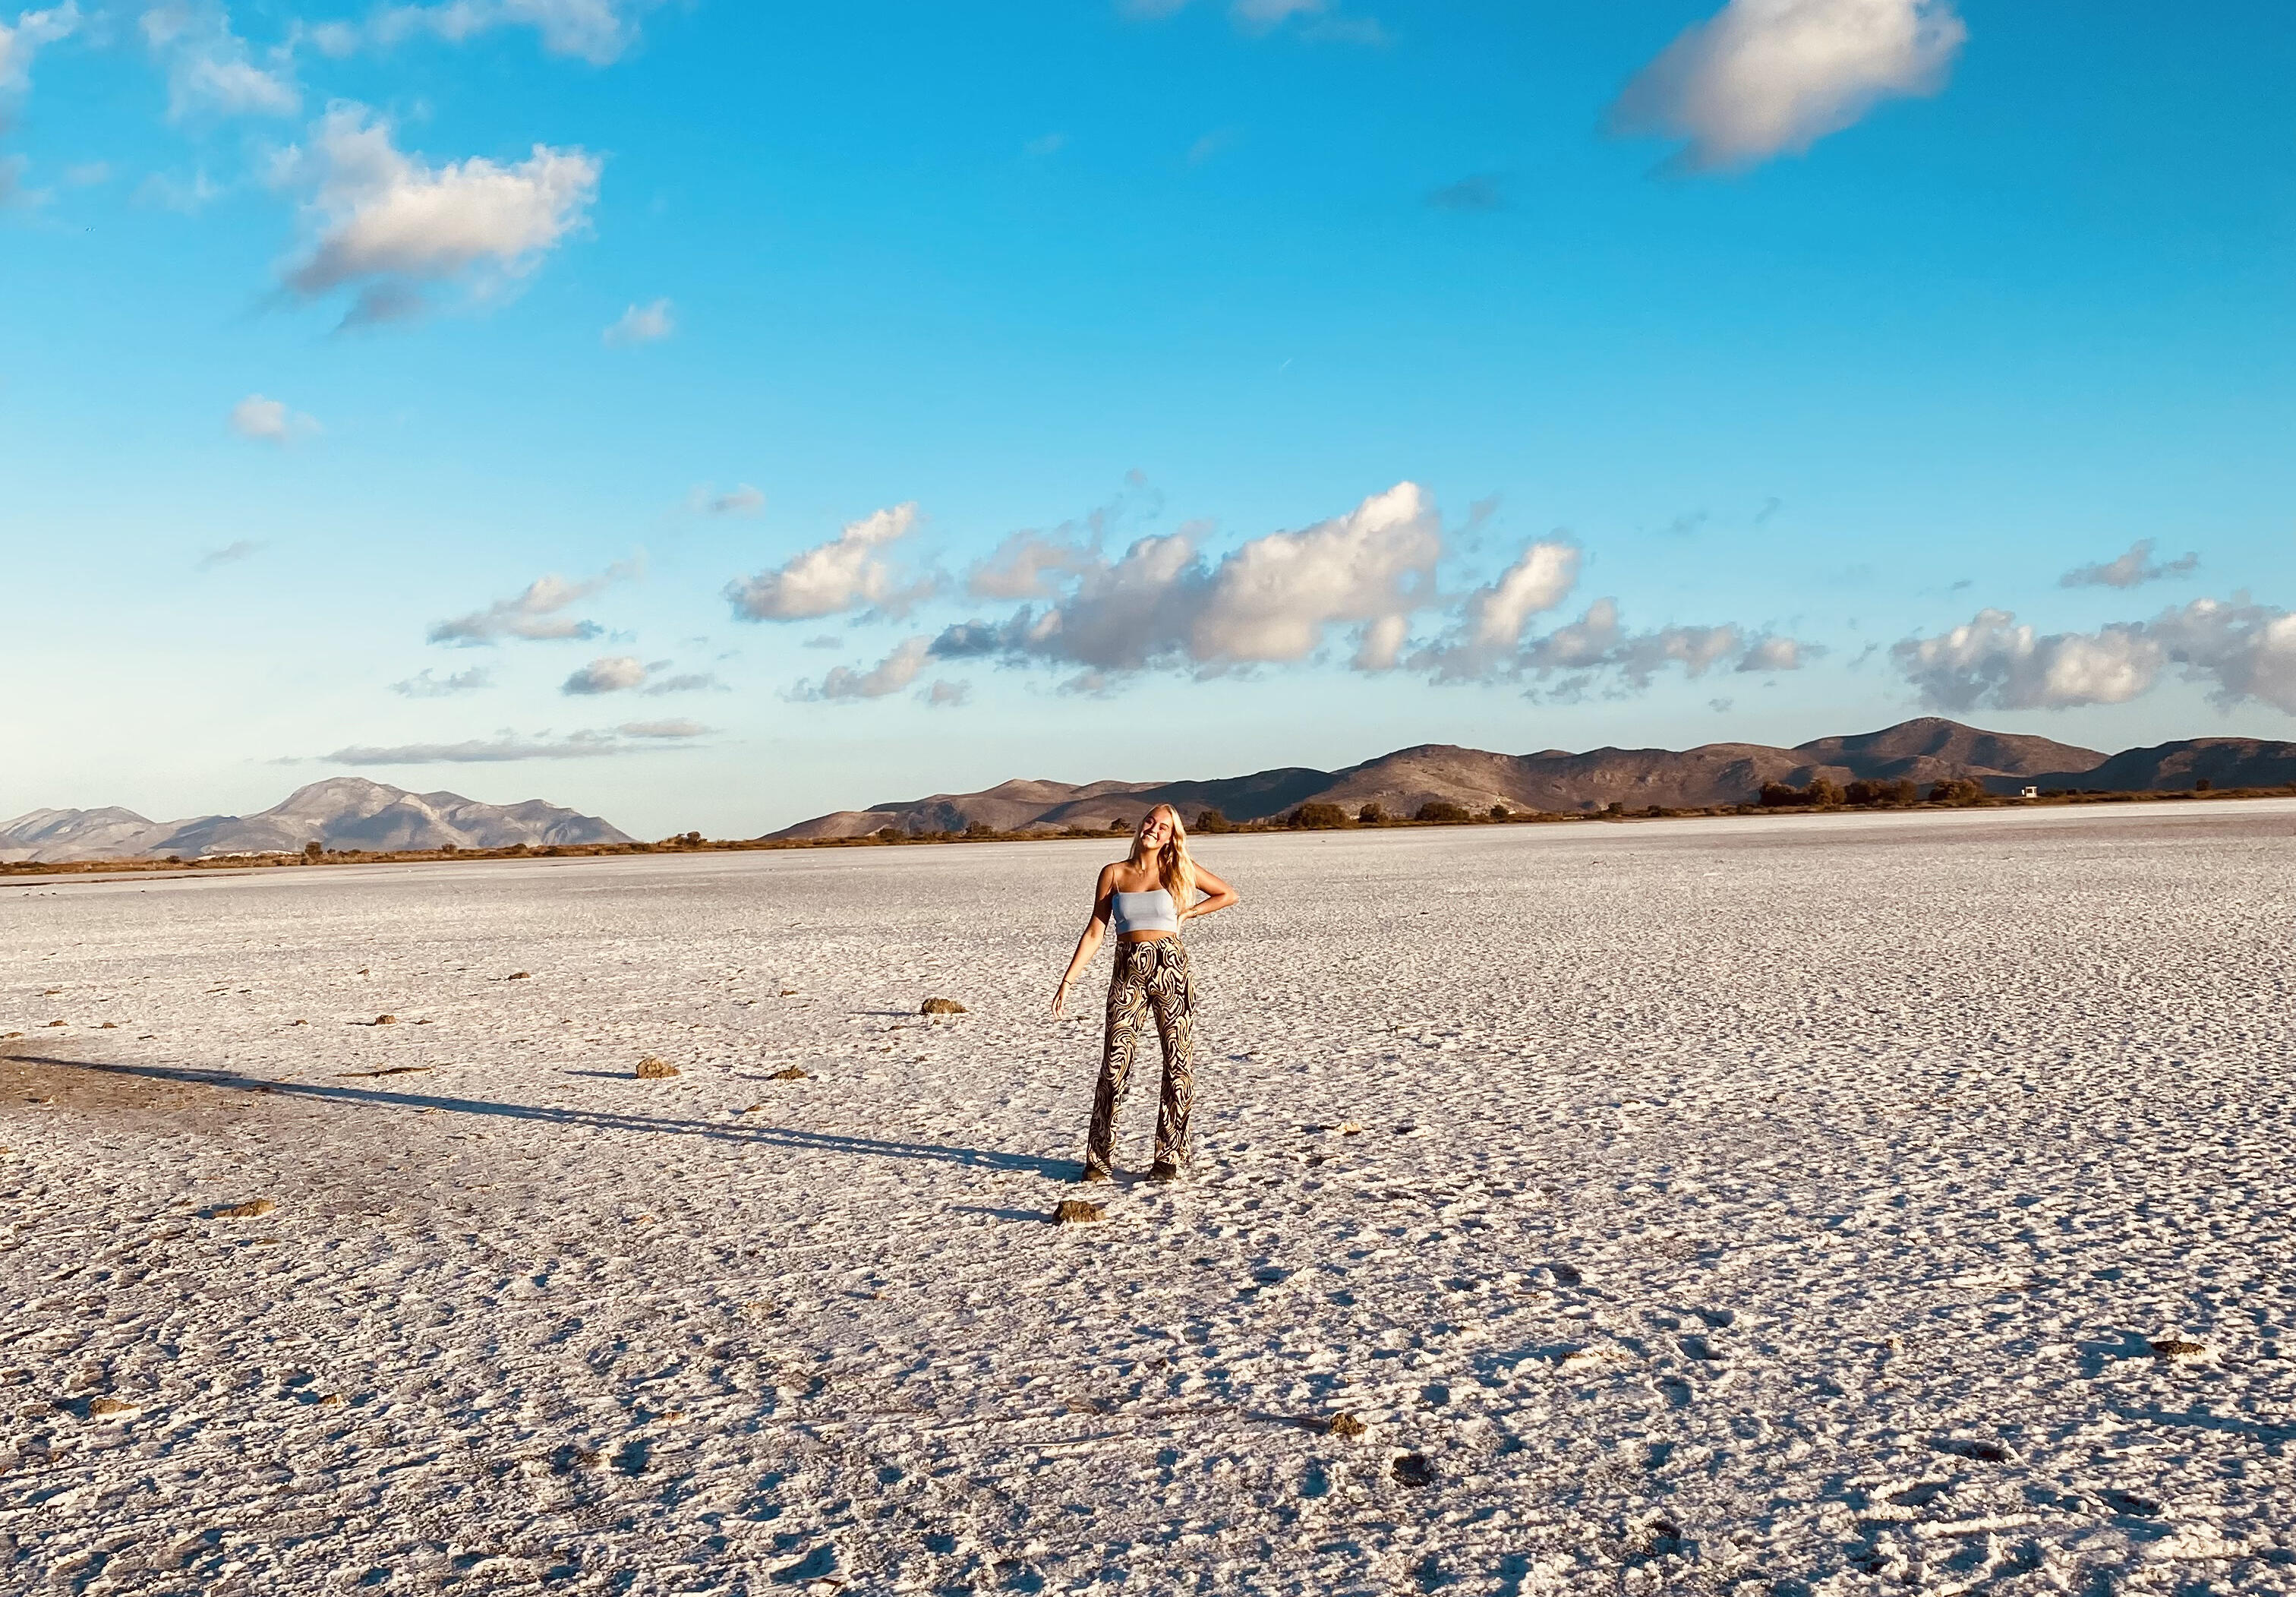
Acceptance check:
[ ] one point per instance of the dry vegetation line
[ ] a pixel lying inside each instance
(1854, 1205)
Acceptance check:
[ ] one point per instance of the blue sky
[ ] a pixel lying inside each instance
(711, 414)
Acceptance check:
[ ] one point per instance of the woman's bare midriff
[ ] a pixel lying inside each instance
(1142, 936)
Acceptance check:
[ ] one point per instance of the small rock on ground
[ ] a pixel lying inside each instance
(788, 1074)
(1075, 1211)
(1346, 1426)
(244, 1211)
(940, 1006)
(653, 1069)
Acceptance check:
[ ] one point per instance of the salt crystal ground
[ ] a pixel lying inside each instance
(1772, 1206)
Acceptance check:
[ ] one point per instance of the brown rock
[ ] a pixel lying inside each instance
(2176, 1347)
(1413, 1469)
(299, 1023)
(56, 1022)
(244, 1211)
(940, 1006)
(1346, 1426)
(100, 1407)
(652, 1069)
(4, 1036)
(109, 1025)
(517, 976)
(788, 1074)
(1075, 1211)
(386, 1020)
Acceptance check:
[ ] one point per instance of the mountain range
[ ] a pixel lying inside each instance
(1554, 780)
(343, 812)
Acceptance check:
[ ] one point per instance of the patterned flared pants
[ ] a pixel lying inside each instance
(1151, 976)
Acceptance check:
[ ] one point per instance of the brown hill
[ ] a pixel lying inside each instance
(2178, 767)
(1932, 750)
(1557, 782)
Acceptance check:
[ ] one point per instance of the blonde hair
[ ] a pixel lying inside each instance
(1174, 866)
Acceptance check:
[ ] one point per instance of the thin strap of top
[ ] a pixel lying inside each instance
(1149, 911)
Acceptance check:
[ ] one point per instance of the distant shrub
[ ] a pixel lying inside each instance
(1441, 812)
(1316, 818)
(1777, 796)
(1373, 814)
(1500, 813)
(1879, 792)
(978, 829)
(1824, 791)
(1957, 790)
(1211, 820)
(2203, 786)
(887, 834)
(314, 850)
(1119, 825)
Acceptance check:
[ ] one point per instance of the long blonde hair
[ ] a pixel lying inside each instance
(1175, 867)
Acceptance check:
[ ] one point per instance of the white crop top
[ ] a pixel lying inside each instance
(1149, 911)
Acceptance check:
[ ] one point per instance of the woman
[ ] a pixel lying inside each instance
(1146, 895)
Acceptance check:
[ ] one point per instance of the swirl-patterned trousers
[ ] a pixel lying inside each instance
(1151, 977)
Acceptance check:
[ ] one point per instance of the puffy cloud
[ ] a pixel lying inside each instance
(2247, 650)
(423, 685)
(741, 500)
(890, 675)
(1992, 663)
(1272, 599)
(944, 695)
(598, 32)
(210, 69)
(1492, 617)
(608, 674)
(386, 222)
(22, 40)
(1766, 76)
(1034, 564)
(848, 573)
(231, 554)
(659, 729)
(641, 324)
(533, 612)
(2131, 570)
(1598, 647)
(698, 681)
(269, 420)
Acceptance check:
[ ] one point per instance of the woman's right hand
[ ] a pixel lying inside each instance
(1059, 994)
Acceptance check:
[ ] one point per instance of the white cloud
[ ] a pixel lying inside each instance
(698, 681)
(1766, 76)
(944, 695)
(506, 746)
(386, 222)
(22, 40)
(1597, 649)
(641, 324)
(598, 32)
(269, 420)
(741, 500)
(608, 674)
(1274, 599)
(849, 572)
(1492, 617)
(2133, 569)
(662, 728)
(2247, 650)
(423, 685)
(185, 196)
(890, 675)
(212, 71)
(533, 612)
(1992, 663)
(1051, 144)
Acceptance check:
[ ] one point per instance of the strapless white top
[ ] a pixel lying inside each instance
(1149, 911)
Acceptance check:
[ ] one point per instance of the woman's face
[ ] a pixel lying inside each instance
(1156, 831)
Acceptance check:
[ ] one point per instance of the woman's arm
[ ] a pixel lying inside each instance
(1088, 943)
(1217, 895)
